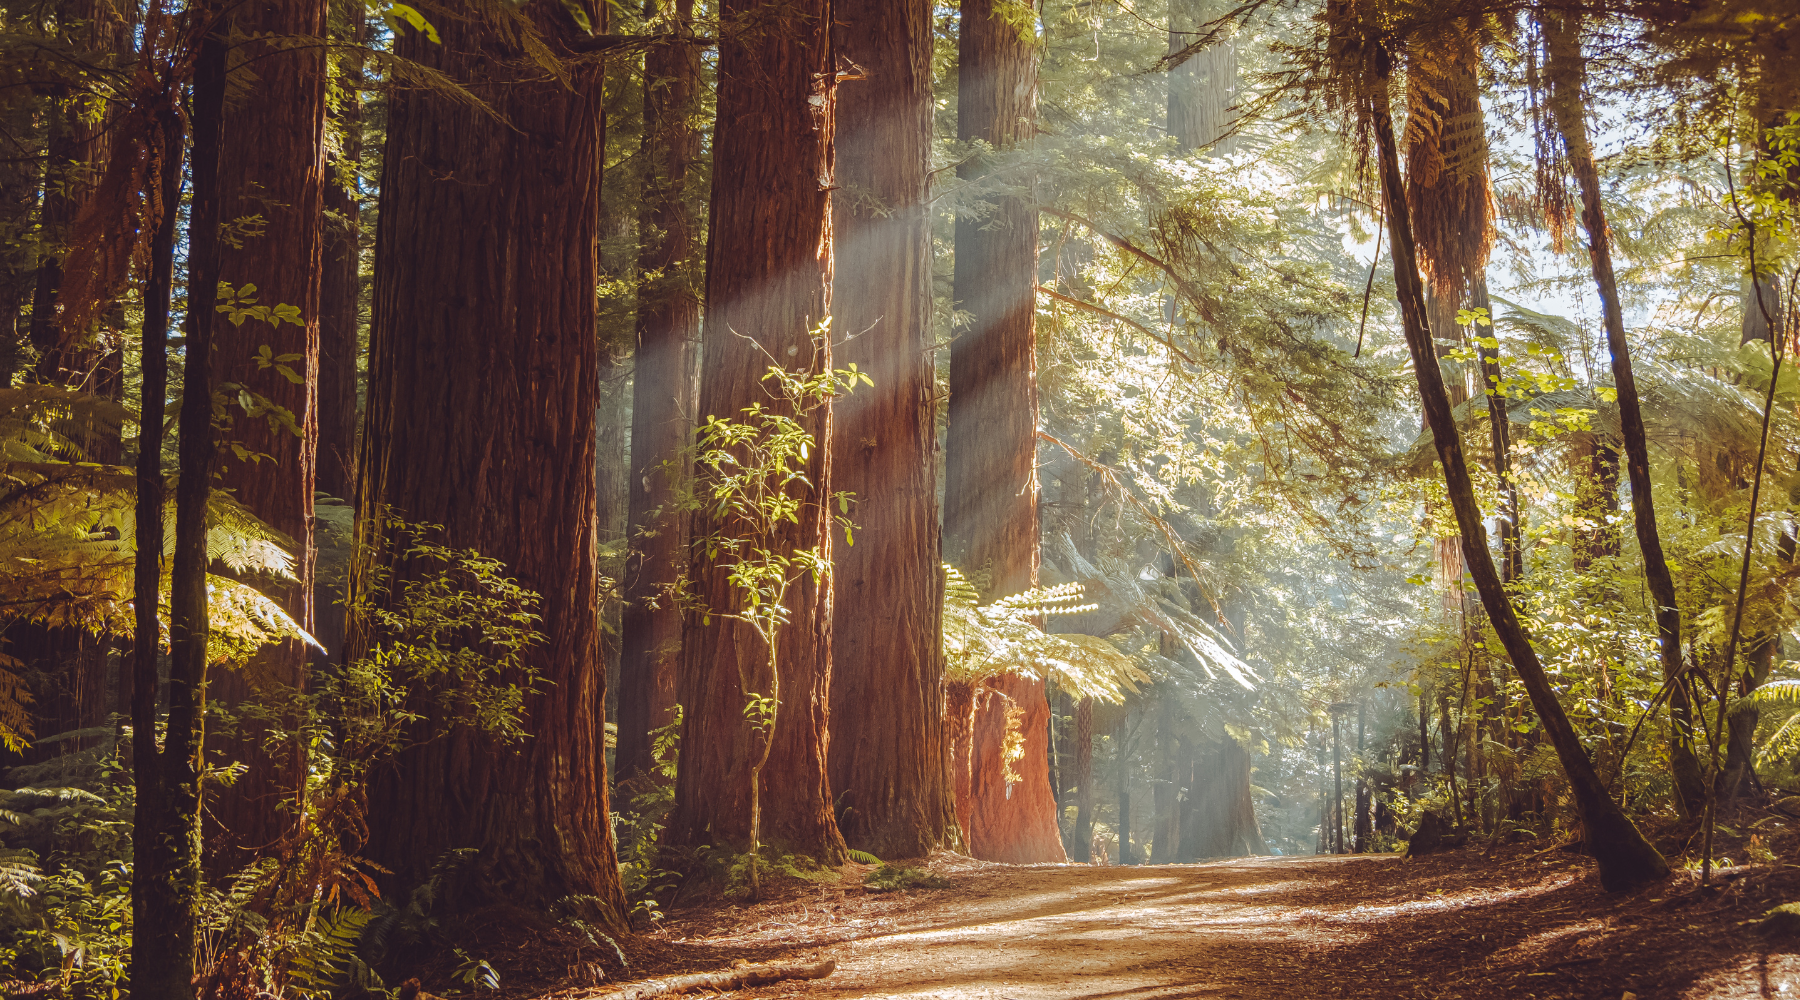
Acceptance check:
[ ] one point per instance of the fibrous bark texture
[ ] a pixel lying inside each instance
(888, 753)
(769, 259)
(663, 396)
(480, 418)
(991, 489)
(1201, 87)
(272, 183)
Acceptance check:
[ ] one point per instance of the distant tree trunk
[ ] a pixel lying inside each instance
(1223, 820)
(340, 282)
(1165, 836)
(1762, 321)
(75, 154)
(991, 492)
(1597, 496)
(1626, 859)
(768, 287)
(483, 364)
(19, 183)
(1567, 71)
(663, 395)
(340, 318)
(1084, 781)
(166, 824)
(889, 757)
(1202, 86)
(272, 175)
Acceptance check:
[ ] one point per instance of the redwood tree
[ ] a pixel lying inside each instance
(480, 418)
(888, 753)
(272, 182)
(991, 490)
(769, 258)
(662, 402)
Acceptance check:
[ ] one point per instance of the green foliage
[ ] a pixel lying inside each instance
(889, 878)
(636, 827)
(864, 858)
(986, 640)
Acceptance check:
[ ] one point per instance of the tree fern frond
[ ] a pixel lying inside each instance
(1776, 693)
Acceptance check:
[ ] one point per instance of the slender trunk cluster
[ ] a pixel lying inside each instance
(1626, 859)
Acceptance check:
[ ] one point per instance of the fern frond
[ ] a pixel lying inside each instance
(1776, 693)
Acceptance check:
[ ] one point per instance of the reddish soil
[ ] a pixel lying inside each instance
(1534, 926)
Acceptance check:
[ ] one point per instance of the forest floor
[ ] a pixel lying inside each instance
(1521, 925)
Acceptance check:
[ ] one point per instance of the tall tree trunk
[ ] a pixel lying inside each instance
(340, 313)
(482, 369)
(1165, 795)
(663, 396)
(272, 173)
(769, 259)
(76, 150)
(888, 758)
(19, 183)
(340, 278)
(1084, 781)
(1202, 86)
(1567, 71)
(166, 834)
(991, 490)
(161, 943)
(1625, 858)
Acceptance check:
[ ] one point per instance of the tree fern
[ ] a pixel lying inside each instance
(986, 640)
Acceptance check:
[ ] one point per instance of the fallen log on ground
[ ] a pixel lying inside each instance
(728, 979)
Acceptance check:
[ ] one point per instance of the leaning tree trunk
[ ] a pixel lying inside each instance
(480, 418)
(272, 169)
(768, 288)
(662, 402)
(1567, 72)
(888, 757)
(1625, 858)
(990, 496)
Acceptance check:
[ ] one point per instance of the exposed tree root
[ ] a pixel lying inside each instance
(730, 979)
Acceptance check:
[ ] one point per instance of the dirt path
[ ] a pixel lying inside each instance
(1352, 927)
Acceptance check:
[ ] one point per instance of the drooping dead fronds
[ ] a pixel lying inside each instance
(1447, 184)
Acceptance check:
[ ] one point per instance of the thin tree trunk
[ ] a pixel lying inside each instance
(1166, 834)
(483, 364)
(1625, 858)
(768, 288)
(991, 491)
(1084, 781)
(162, 946)
(1567, 72)
(663, 395)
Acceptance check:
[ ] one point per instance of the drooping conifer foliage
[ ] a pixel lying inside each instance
(484, 471)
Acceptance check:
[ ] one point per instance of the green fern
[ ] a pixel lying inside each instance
(864, 858)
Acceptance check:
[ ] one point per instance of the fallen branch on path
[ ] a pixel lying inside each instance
(729, 979)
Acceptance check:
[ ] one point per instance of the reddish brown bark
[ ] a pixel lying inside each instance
(480, 418)
(662, 405)
(990, 500)
(340, 282)
(889, 762)
(272, 176)
(75, 154)
(768, 285)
